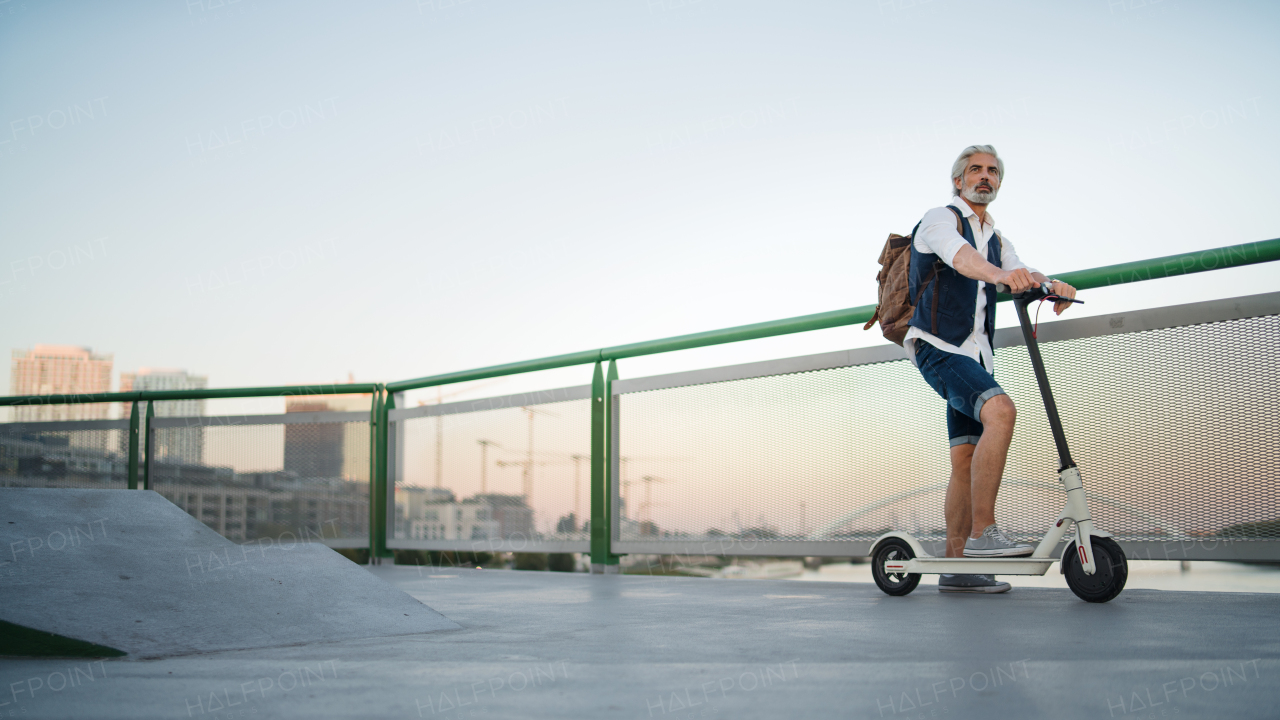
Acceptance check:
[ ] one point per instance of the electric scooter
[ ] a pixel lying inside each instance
(1093, 564)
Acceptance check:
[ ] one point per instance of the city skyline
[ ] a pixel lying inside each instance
(78, 369)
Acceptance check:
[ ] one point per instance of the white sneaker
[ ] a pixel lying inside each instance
(993, 543)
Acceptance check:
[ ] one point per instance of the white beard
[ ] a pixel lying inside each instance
(979, 197)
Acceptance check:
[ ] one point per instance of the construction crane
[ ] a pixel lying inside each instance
(440, 396)
(577, 483)
(524, 466)
(528, 462)
(484, 464)
(648, 481)
(625, 485)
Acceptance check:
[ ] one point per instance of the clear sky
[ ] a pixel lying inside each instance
(275, 192)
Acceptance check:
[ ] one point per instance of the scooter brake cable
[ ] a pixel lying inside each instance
(1035, 328)
(1054, 298)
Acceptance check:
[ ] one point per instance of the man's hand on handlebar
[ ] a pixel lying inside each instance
(1062, 289)
(1020, 281)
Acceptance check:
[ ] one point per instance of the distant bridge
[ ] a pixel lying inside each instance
(826, 531)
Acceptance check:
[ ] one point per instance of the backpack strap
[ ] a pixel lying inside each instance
(938, 264)
(960, 230)
(874, 317)
(959, 220)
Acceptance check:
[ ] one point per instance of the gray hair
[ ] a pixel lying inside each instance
(961, 162)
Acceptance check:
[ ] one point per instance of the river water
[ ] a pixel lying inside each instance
(1201, 576)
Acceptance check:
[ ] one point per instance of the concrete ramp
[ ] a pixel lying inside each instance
(127, 569)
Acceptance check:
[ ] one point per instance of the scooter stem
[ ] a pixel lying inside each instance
(1042, 380)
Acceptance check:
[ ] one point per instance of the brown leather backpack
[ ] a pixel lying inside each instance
(895, 306)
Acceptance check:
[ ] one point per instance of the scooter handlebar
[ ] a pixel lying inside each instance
(1044, 290)
(1030, 294)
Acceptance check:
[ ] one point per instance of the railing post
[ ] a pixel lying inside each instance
(133, 445)
(148, 432)
(375, 416)
(379, 548)
(611, 426)
(602, 560)
(395, 461)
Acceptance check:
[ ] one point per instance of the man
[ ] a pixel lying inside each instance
(957, 257)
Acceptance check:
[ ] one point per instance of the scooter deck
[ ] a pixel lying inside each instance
(976, 566)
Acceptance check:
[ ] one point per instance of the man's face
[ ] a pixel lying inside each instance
(981, 179)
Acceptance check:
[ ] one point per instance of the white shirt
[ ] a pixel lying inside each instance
(937, 235)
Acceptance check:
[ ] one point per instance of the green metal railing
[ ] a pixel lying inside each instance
(602, 378)
(1164, 267)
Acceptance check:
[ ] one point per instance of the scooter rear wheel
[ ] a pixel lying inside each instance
(893, 583)
(1109, 576)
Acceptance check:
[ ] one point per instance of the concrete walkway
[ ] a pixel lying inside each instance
(551, 645)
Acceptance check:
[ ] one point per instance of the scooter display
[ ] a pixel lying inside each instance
(1093, 564)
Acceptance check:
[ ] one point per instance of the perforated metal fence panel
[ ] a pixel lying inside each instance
(1172, 414)
(296, 477)
(501, 474)
(65, 454)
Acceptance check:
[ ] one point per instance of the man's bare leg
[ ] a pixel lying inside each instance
(997, 416)
(959, 512)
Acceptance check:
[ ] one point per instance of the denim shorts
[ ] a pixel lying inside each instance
(963, 383)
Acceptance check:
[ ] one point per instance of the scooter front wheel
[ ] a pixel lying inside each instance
(893, 583)
(1111, 570)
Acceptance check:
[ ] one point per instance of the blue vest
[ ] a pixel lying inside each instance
(945, 300)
